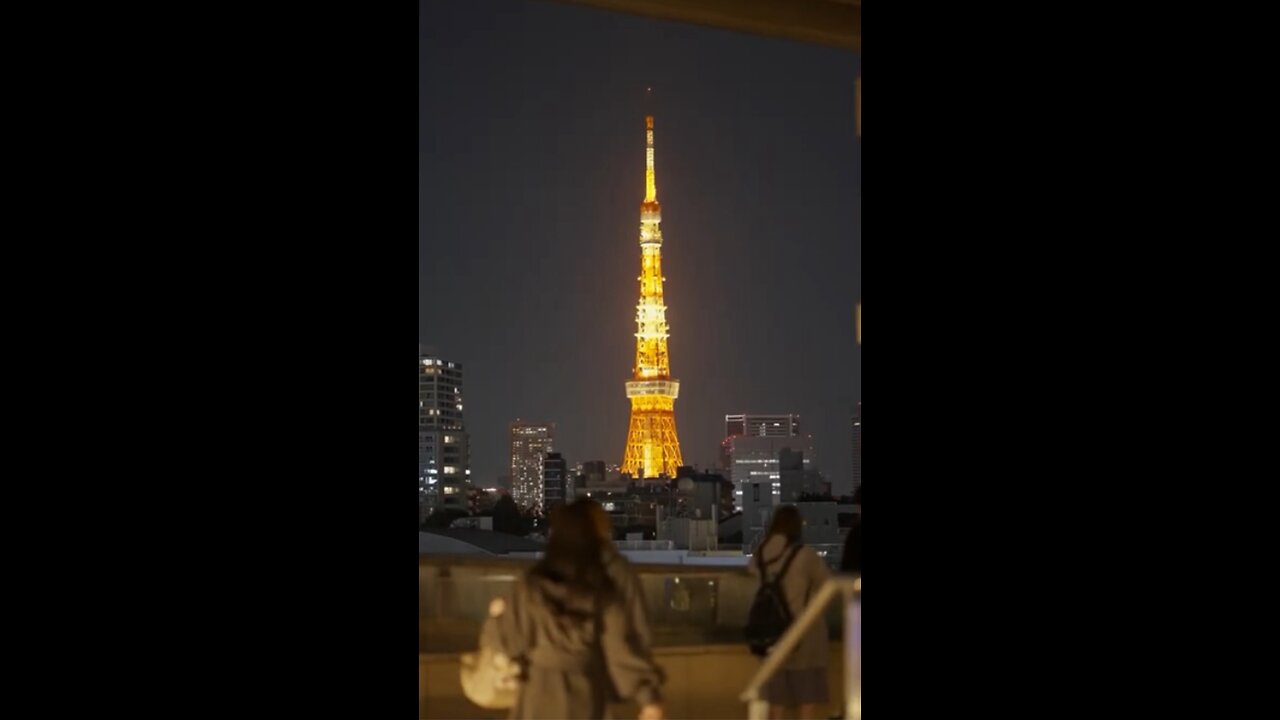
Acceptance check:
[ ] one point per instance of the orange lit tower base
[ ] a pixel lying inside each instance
(652, 448)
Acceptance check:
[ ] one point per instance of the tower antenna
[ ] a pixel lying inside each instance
(652, 448)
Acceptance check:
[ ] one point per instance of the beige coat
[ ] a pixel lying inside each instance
(803, 580)
(575, 667)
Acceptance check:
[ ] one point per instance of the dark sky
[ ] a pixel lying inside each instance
(531, 173)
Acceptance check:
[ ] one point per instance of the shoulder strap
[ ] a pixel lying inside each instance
(795, 550)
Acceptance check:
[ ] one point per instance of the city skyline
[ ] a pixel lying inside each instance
(528, 184)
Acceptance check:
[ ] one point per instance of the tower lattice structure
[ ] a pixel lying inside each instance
(652, 446)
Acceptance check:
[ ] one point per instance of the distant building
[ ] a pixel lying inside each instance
(444, 464)
(757, 425)
(687, 533)
(755, 459)
(703, 497)
(530, 443)
(821, 530)
(762, 425)
(796, 480)
(757, 512)
(821, 523)
(556, 486)
(594, 473)
(691, 514)
(457, 497)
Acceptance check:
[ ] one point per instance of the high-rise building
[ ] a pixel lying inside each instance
(857, 449)
(443, 443)
(755, 425)
(652, 448)
(556, 486)
(762, 425)
(797, 479)
(755, 459)
(594, 473)
(530, 443)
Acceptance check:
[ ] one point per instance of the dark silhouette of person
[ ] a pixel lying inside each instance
(571, 626)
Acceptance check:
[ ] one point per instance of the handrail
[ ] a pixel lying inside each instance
(432, 560)
(848, 587)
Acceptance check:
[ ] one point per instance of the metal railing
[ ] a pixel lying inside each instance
(850, 589)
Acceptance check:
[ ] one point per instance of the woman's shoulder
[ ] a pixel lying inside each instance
(810, 557)
(619, 568)
(773, 548)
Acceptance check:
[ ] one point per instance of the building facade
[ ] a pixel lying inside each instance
(756, 459)
(530, 443)
(557, 488)
(762, 425)
(754, 425)
(444, 464)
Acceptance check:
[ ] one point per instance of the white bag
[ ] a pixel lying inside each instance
(490, 679)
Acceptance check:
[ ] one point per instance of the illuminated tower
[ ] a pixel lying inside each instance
(652, 447)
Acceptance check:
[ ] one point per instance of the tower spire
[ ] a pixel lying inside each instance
(650, 176)
(652, 448)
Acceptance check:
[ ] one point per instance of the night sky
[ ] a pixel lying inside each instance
(531, 174)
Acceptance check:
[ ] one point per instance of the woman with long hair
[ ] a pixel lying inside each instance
(572, 626)
(802, 681)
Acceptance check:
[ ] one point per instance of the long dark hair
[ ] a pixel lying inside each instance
(575, 551)
(787, 523)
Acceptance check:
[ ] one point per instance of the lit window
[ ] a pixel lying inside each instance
(448, 438)
(450, 470)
